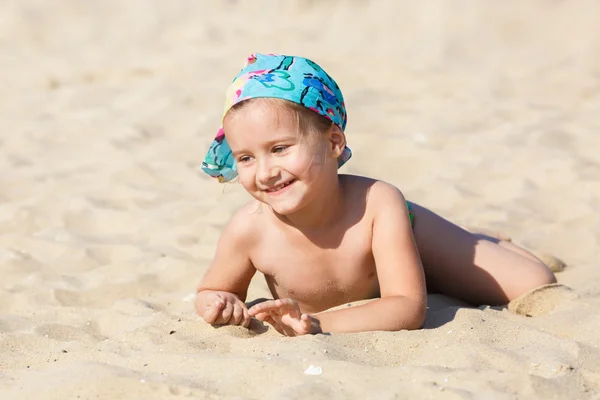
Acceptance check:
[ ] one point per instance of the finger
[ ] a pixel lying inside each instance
(300, 326)
(268, 318)
(212, 312)
(287, 331)
(246, 318)
(265, 306)
(290, 306)
(284, 327)
(262, 316)
(294, 308)
(272, 305)
(278, 305)
(278, 327)
(285, 302)
(237, 315)
(305, 324)
(226, 313)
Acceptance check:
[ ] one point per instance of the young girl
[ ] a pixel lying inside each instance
(322, 239)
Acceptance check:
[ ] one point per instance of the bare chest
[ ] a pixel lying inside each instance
(319, 275)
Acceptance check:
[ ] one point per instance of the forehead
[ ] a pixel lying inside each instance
(259, 120)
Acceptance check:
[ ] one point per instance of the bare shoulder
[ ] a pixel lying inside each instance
(242, 228)
(231, 268)
(377, 194)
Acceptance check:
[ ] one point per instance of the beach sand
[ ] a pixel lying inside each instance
(486, 112)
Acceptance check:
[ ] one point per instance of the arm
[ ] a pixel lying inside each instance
(401, 277)
(222, 291)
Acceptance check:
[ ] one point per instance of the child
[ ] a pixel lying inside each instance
(322, 239)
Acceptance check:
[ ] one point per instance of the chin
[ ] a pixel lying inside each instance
(285, 209)
(286, 206)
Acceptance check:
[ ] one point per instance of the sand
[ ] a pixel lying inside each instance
(486, 112)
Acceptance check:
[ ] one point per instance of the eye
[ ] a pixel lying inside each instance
(279, 149)
(244, 159)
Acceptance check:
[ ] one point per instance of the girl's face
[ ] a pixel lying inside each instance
(277, 164)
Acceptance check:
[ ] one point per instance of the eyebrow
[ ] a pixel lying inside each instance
(283, 138)
(270, 143)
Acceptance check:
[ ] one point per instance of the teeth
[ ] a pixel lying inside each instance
(276, 188)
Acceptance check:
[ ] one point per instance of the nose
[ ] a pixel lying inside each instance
(266, 170)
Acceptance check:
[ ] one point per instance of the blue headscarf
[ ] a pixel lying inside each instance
(291, 78)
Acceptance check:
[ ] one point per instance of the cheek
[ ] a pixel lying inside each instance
(245, 177)
(313, 159)
(312, 151)
(310, 169)
(300, 164)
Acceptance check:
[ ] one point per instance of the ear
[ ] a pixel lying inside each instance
(337, 141)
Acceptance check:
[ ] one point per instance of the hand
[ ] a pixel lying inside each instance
(285, 316)
(226, 309)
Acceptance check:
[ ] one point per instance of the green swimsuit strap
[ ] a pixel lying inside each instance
(410, 214)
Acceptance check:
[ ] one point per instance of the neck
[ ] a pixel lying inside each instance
(323, 210)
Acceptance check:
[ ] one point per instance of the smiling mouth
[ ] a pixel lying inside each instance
(279, 187)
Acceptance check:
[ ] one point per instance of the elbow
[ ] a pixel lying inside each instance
(418, 314)
(411, 314)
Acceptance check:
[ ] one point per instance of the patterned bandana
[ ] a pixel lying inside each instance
(290, 78)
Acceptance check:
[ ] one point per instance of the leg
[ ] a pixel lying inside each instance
(475, 268)
(555, 264)
(500, 240)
